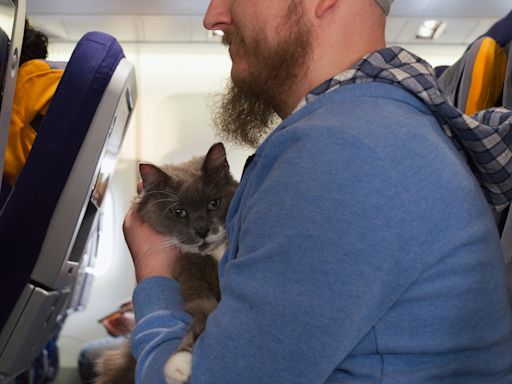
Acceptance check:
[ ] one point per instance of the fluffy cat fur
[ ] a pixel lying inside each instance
(188, 202)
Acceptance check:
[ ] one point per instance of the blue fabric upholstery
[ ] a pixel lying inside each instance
(501, 31)
(27, 213)
(4, 192)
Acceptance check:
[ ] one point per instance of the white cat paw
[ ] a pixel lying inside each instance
(178, 367)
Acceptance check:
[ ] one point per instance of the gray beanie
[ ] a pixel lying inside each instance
(385, 5)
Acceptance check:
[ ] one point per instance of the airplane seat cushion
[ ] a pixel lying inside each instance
(507, 91)
(482, 85)
(28, 211)
(489, 53)
(439, 70)
(4, 192)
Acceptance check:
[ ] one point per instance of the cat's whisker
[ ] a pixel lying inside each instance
(160, 200)
(166, 243)
(162, 192)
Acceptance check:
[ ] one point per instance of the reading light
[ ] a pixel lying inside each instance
(431, 29)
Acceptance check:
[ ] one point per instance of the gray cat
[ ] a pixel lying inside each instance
(188, 202)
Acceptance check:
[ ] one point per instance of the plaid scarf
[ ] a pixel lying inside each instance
(484, 138)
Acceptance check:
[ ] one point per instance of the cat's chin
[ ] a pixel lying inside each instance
(208, 248)
(203, 248)
(215, 249)
(188, 248)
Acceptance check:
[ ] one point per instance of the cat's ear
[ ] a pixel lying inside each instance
(151, 175)
(215, 161)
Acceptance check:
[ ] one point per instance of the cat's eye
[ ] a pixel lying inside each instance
(213, 205)
(180, 213)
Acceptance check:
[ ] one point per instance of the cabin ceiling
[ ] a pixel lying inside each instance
(169, 21)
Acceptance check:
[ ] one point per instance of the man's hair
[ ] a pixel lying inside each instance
(35, 44)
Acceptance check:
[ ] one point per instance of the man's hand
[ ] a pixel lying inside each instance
(152, 253)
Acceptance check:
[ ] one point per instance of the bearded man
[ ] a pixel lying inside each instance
(362, 247)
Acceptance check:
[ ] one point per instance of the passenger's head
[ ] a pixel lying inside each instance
(280, 50)
(35, 44)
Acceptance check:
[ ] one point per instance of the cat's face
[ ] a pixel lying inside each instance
(189, 202)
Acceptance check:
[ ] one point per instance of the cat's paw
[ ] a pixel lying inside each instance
(178, 367)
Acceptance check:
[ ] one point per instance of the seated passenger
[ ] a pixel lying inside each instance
(35, 85)
(362, 248)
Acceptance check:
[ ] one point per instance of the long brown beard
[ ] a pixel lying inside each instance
(247, 110)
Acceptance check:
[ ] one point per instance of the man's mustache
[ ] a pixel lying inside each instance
(232, 37)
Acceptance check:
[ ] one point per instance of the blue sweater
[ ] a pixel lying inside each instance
(362, 250)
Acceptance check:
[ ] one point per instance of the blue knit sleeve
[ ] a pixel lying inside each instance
(161, 323)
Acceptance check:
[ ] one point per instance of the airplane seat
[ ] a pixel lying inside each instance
(480, 79)
(507, 90)
(52, 211)
(483, 78)
(477, 80)
(5, 190)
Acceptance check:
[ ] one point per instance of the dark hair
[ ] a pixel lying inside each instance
(35, 44)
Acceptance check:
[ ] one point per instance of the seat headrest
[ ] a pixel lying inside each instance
(501, 31)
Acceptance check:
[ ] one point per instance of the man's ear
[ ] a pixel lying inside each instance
(324, 6)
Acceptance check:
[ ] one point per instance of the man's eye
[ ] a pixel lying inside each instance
(213, 205)
(180, 213)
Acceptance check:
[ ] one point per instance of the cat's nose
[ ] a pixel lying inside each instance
(202, 233)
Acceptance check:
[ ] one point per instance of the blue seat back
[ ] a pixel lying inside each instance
(27, 212)
(50, 212)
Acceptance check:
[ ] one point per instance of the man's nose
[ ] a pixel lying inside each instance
(218, 15)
